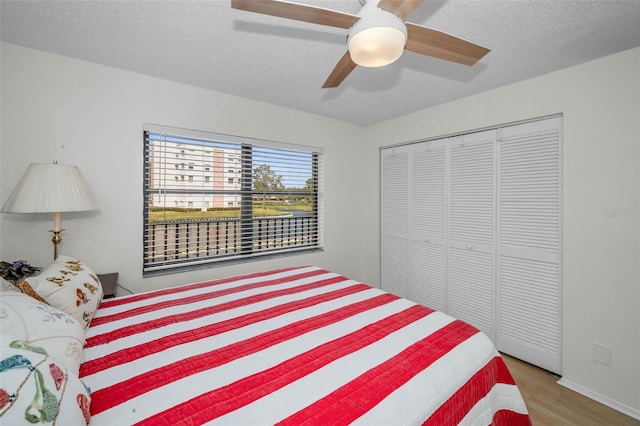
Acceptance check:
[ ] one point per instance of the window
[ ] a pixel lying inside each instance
(271, 207)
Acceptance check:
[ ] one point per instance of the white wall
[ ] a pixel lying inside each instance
(600, 101)
(58, 108)
(96, 113)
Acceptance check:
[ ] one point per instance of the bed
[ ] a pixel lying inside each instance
(293, 346)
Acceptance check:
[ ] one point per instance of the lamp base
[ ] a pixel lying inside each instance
(56, 240)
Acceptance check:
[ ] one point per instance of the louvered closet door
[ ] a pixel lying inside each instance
(471, 281)
(395, 221)
(529, 242)
(428, 220)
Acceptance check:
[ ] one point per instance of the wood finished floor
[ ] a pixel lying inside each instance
(551, 404)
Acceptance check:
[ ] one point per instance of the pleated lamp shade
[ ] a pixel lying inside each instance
(50, 188)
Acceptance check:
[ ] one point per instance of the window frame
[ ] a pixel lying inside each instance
(250, 247)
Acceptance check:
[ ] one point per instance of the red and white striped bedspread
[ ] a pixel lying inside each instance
(292, 346)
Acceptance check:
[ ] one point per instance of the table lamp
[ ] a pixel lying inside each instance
(51, 188)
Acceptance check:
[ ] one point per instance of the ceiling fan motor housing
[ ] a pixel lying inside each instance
(378, 38)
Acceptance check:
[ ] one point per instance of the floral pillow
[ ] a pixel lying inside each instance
(69, 285)
(31, 325)
(37, 389)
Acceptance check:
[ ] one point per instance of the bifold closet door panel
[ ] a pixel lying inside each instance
(394, 274)
(529, 311)
(529, 237)
(471, 225)
(428, 224)
(428, 274)
(470, 291)
(471, 230)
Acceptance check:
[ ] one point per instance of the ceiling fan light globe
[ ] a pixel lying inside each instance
(377, 38)
(376, 47)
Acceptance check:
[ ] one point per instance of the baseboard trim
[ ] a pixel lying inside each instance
(618, 406)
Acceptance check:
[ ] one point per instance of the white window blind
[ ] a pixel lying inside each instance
(212, 198)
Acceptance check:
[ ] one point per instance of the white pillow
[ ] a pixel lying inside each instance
(36, 389)
(35, 326)
(69, 285)
(7, 286)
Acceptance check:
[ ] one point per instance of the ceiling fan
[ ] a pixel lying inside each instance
(377, 34)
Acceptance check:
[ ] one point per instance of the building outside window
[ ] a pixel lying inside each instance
(244, 198)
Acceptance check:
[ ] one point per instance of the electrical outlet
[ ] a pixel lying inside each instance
(602, 354)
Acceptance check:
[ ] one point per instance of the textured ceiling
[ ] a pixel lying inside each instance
(284, 62)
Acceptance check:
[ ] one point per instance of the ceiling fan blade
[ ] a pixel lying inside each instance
(342, 69)
(438, 44)
(298, 12)
(400, 8)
